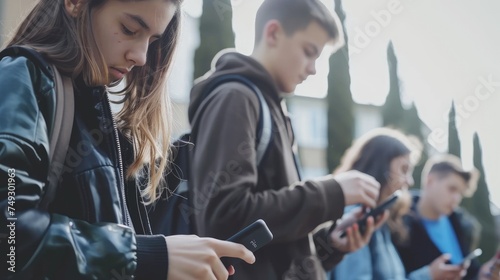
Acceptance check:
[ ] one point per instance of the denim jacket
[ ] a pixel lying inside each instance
(378, 260)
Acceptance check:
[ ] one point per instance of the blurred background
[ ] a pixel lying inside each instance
(429, 68)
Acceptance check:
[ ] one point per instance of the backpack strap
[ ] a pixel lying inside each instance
(264, 125)
(63, 119)
(61, 134)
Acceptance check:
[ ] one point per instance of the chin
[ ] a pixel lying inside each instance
(447, 212)
(287, 90)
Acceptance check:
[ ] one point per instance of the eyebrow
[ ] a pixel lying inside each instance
(141, 22)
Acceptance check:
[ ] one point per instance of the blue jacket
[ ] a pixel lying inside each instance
(378, 260)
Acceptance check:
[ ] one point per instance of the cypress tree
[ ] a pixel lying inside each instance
(216, 33)
(453, 139)
(339, 98)
(393, 113)
(479, 206)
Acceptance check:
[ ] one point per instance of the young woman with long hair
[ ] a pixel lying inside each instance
(96, 226)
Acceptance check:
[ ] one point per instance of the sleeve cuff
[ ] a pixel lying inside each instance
(333, 198)
(152, 257)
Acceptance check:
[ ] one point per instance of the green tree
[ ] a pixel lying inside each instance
(393, 113)
(453, 139)
(479, 206)
(216, 33)
(412, 125)
(395, 116)
(339, 98)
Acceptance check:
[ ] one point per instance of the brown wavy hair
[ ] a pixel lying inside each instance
(372, 154)
(68, 43)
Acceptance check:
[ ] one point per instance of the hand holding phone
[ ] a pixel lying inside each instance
(376, 212)
(474, 254)
(253, 237)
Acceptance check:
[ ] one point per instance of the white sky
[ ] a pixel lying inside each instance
(446, 50)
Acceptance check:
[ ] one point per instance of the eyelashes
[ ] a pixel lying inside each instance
(127, 31)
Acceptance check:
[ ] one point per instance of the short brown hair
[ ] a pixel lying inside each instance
(296, 15)
(445, 164)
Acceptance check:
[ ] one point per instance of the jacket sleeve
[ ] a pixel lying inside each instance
(224, 176)
(41, 244)
(423, 273)
(325, 251)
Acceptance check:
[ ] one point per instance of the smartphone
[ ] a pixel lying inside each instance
(377, 211)
(253, 237)
(474, 254)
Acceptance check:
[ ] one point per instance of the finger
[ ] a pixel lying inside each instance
(370, 191)
(357, 241)
(372, 182)
(231, 270)
(452, 269)
(443, 258)
(349, 242)
(370, 228)
(465, 265)
(233, 250)
(368, 200)
(219, 270)
(463, 272)
(381, 219)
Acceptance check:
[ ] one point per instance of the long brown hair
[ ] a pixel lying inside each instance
(68, 42)
(372, 154)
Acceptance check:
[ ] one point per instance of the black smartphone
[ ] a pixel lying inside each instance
(253, 237)
(377, 211)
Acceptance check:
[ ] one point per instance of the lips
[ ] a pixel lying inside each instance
(118, 73)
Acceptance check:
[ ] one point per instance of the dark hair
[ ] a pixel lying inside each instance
(376, 156)
(296, 15)
(445, 164)
(446, 168)
(372, 154)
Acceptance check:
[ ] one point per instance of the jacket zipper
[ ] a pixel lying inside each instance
(125, 213)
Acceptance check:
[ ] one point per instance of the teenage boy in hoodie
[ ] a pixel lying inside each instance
(231, 190)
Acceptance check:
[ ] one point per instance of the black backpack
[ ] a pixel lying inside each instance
(173, 213)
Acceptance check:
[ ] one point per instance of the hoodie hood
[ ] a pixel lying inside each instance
(230, 62)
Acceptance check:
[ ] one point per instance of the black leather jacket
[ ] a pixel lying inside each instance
(97, 227)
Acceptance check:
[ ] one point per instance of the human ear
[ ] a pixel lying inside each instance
(272, 32)
(72, 6)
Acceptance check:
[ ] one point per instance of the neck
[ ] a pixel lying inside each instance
(261, 57)
(426, 209)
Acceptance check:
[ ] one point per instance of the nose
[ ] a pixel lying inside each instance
(409, 179)
(137, 54)
(457, 198)
(311, 68)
